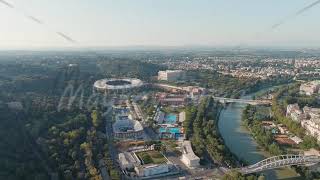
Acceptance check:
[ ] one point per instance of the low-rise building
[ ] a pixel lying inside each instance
(312, 152)
(15, 105)
(171, 101)
(145, 161)
(312, 128)
(182, 116)
(137, 111)
(151, 169)
(310, 88)
(269, 125)
(188, 157)
(312, 121)
(125, 126)
(312, 113)
(283, 129)
(296, 139)
(284, 140)
(293, 111)
(127, 161)
(170, 75)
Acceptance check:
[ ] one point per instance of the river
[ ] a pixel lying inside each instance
(240, 142)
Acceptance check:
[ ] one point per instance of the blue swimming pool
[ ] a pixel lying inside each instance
(172, 130)
(170, 119)
(162, 130)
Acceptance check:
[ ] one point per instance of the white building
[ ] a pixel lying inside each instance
(283, 129)
(312, 152)
(296, 139)
(137, 111)
(15, 105)
(293, 111)
(182, 116)
(170, 75)
(188, 156)
(127, 128)
(310, 88)
(127, 161)
(73, 65)
(312, 128)
(312, 121)
(312, 113)
(125, 125)
(130, 160)
(151, 169)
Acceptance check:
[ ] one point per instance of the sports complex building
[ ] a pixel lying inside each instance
(146, 163)
(125, 127)
(117, 85)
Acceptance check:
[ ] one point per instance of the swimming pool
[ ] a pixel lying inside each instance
(170, 119)
(172, 130)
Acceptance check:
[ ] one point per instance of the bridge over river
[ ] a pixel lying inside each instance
(221, 99)
(243, 101)
(280, 161)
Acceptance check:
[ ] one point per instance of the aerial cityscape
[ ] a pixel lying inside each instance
(152, 102)
(194, 116)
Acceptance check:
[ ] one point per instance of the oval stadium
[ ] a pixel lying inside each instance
(107, 85)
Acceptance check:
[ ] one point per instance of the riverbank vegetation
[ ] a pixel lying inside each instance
(263, 137)
(201, 128)
(235, 175)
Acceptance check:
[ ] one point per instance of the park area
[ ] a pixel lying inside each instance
(151, 157)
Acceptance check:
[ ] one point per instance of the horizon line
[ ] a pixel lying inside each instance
(191, 46)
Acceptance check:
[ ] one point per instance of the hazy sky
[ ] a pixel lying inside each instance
(158, 23)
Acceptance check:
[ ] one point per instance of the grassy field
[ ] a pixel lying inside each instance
(151, 157)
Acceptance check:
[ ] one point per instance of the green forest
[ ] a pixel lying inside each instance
(43, 140)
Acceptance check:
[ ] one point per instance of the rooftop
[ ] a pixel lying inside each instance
(151, 157)
(187, 150)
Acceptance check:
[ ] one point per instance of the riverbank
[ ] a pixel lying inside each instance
(239, 141)
(236, 162)
(252, 117)
(202, 129)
